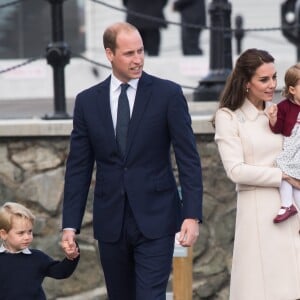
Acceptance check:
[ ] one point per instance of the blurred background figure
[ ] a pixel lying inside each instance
(192, 12)
(148, 28)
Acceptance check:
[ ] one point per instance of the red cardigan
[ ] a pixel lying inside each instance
(286, 117)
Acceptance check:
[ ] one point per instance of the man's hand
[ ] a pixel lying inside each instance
(189, 233)
(68, 244)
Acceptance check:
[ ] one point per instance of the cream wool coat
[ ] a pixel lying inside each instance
(266, 256)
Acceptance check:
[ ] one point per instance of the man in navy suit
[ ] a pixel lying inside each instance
(137, 209)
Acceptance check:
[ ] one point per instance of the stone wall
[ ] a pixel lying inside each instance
(32, 173)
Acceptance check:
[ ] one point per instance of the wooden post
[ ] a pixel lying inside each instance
(183, 275)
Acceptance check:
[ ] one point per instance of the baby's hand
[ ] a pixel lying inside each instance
(272, 113)
(71, 251)
(272, 110)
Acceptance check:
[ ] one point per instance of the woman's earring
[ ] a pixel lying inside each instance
(247, 90)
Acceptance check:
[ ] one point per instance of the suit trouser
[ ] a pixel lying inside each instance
(136, 268)
(190, 41)
(151, 39)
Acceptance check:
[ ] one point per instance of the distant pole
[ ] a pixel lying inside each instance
(58, 56)
(290, 22)
(239, 33)
(211, 86)
(183, 276)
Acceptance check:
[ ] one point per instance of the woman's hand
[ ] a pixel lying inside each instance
(291, 180)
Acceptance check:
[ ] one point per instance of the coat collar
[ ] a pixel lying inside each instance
(115, 83)
(250, 111)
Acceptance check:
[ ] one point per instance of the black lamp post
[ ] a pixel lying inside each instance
(58, 56)
(211, 86)
(239, 33)
(290, 21)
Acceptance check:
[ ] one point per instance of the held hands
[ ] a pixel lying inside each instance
(272, 113)
(68, 244)
(292, 181)
(188, 234)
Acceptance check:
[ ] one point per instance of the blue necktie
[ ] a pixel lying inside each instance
(123, 118)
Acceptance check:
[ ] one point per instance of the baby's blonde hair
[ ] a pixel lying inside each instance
(13, 209)
(292, 75)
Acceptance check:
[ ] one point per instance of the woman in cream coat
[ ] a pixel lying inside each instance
(266, 256)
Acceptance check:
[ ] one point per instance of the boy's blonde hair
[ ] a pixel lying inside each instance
(13, 209)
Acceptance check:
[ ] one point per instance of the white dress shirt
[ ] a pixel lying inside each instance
(115, 90)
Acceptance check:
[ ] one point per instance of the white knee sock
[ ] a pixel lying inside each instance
(296, 194)
(286, 194)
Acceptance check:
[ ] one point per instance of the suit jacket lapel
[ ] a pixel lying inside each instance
(104, 109)
(142, 98)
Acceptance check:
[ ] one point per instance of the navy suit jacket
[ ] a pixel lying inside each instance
(160, 118)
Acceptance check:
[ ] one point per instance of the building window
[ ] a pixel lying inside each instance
(25, 28)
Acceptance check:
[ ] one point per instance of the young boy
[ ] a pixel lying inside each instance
(23, 269)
